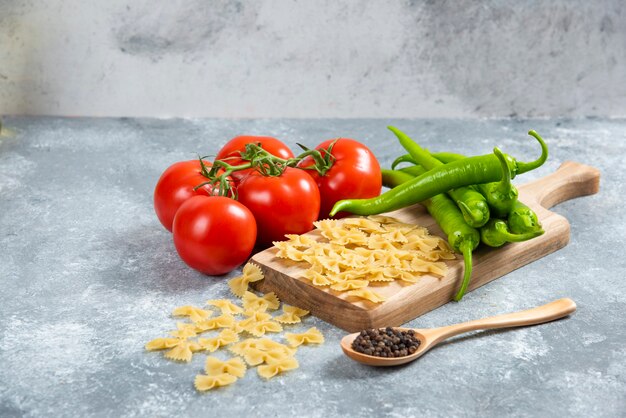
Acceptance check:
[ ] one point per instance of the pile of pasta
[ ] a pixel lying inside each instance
(360, 253)
(251, 319)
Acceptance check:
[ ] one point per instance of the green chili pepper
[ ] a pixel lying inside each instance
(393, 178)
(472, 204)
(523, 219)
(496, 233)
(461, 237)
(444, 157)
(464, 172)
(502, 195)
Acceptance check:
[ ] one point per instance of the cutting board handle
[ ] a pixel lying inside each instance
(570, 180)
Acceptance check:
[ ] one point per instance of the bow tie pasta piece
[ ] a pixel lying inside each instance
(184, 330)
(259, 329)
(256, 356)
(227, 336)
(395, 235)
(364, 224)
(367, 294)
(270, 370)
(252, 302)
(326, 225)
(222, 321)
(194, 313)
(381, 275)
(300, 240)
(349, 284)
(225, 306)
(266, 344)
(183, 351)
(162, 343)
(239, 285)
(203, 382)
(235, 366)
(379, 242)
(316, 278)
(311, 336)
(240, 347)
(291, 315)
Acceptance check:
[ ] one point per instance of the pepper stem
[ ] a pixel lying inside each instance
(504, 185)
(475, 215)
(466, 249)
(523, 167)
(508, 236)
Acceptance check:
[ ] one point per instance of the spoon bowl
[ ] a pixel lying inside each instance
(430, 337)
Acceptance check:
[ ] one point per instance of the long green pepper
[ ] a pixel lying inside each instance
(472, 204)
(465, 172)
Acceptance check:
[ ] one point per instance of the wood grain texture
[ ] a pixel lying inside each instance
(406, 302)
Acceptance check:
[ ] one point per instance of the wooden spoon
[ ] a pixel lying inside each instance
(433, 336)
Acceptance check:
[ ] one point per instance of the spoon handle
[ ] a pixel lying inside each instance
(545, 313)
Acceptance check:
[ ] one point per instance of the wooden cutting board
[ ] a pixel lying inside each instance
(408, 302)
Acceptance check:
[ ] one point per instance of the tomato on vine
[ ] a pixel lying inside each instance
(214, 235)
(231, 152)
(177, 184)
(288, 203)
(351, 171)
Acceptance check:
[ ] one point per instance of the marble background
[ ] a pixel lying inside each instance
(325, 58)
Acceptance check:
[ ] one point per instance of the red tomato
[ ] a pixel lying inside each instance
(230, 152)
(214, 235)
(287, 204)
(354, 174)
(176, 185)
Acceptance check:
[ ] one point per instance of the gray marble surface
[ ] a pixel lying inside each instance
(88, 275)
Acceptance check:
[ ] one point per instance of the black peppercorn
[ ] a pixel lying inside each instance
(386, 342)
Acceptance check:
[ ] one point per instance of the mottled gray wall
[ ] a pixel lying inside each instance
(325, 58)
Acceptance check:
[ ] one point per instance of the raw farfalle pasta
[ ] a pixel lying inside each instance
(349, 284)
(291, 315)
(183, 351)
(234, 366)
(225, 306)
(311, 336)
(222, 321)
(184, 330)
(270, 370)
(194, 313)
(251, 273)
(367, 295)
(252, 302)
(366, 252)
(271, 357)
(255, 356)
(227, 336)
(204, 382)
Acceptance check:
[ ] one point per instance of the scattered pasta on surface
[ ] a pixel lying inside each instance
(271, 357)
(222, 321)
(225, 306)
(204, 382)
(251, 273)
(252, 302)
(272, 369)
(194, 313)
(227, 336)
(291, 315)
(235, 366)
(311, 336)
(183, 351)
